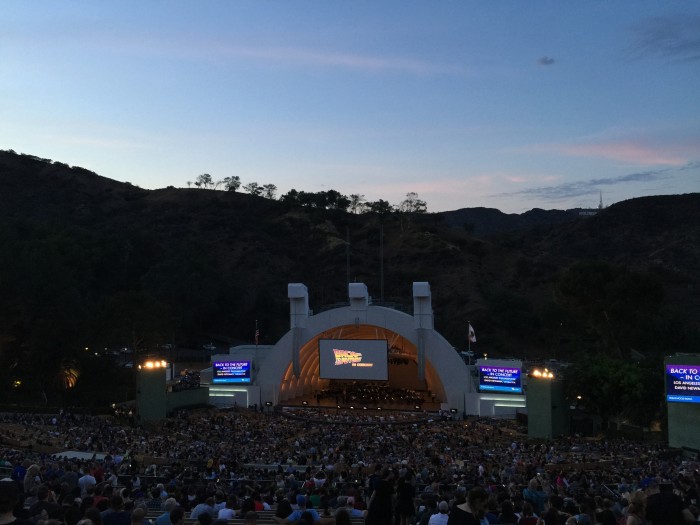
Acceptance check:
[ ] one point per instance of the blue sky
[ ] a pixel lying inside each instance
(505, 104)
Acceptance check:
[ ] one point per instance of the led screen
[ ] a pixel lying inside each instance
(499, 379)
(230, 372)
(683, 383)
(362, 359)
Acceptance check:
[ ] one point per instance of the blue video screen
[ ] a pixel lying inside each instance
(230, 372)
(683, 383)
(500, 379)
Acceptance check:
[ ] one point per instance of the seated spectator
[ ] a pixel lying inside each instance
(228, 512)
(203, 508)
(296, 515)
(168, 506)
(442, 514)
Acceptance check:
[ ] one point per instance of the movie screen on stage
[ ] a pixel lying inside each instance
(500, 379)
(361, 359)
(230, 372)
(683, 383)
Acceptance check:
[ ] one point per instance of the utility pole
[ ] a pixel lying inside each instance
(381, 262)
(347, 256)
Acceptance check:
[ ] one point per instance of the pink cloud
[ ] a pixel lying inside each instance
(626, 151)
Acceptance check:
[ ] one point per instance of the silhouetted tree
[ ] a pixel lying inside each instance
(412, 204)
(269, 191)
(356, 201)
(380, 207)
(203, 181)
(253, 188)
(232, 183)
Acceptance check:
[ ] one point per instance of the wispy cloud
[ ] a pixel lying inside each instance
(282, 55)
(569, 190)
(331, 58)
(638, 152)
(676, 38)
(627, 151)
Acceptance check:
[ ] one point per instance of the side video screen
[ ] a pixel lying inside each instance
(230, 372)
(500, 379)
(361, 359)
(683, 383)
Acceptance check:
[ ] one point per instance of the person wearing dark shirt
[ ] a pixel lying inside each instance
(666, 508)
(471, 511)
(380, 509)
(9, 499)
(46, 503)
(116, 515)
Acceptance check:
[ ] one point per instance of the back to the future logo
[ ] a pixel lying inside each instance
(348, 357)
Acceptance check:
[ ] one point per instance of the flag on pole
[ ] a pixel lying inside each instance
(257, 333)
(472, 334)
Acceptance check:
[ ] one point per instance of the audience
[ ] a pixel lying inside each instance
(200, 464)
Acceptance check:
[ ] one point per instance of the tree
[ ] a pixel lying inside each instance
(356, 201)
(292, 196)
(611, 387)
(380, 207)
(269, 191)
(232, 183)
(203, 181)
(412, 204)
(336, 201)
(253, 188)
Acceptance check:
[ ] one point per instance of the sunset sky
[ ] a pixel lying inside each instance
(504, 104)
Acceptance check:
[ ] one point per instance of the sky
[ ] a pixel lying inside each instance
(503, 104)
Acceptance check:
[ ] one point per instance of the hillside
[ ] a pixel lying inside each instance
(91, 262)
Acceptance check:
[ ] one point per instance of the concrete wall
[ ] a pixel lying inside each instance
(150, 394)
(547, 409)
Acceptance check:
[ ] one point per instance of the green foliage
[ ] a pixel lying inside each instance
(613, 387)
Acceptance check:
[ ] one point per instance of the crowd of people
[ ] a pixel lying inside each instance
(428, 472)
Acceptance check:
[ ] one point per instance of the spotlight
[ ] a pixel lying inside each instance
(304, 403)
